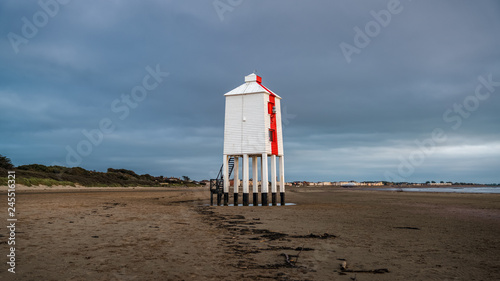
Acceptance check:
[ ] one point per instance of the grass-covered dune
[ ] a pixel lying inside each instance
(36, 174)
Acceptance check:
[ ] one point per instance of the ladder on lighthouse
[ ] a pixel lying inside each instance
(217, 185)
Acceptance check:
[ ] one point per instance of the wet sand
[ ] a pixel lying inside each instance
(171, 234)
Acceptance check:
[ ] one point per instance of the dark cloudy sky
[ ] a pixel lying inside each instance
(372, 90)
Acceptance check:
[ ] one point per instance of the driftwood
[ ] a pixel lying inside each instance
(343, 268)
(297, 259)
(289, 261)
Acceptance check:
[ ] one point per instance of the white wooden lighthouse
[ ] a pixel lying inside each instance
(252, 129)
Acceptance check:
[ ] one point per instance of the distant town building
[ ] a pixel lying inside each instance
(372, 183)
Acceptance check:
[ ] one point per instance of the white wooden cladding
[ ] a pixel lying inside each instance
(247, 121)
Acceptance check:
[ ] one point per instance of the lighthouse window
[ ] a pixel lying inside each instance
(270, 107)
(271, 135)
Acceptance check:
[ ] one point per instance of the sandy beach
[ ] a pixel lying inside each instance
(67, 233)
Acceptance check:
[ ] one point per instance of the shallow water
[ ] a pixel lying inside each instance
(454, 189)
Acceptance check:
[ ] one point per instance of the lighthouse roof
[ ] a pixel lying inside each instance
(252, 85)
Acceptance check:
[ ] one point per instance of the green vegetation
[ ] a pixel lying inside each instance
(37, 181)
(5, 162)
(36, 174)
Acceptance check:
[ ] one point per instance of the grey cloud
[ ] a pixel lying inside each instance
(351, 120)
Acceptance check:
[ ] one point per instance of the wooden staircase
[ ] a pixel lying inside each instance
(217, 185)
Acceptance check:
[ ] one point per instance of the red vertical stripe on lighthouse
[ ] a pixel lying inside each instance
(272, 102)
(274, 142)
